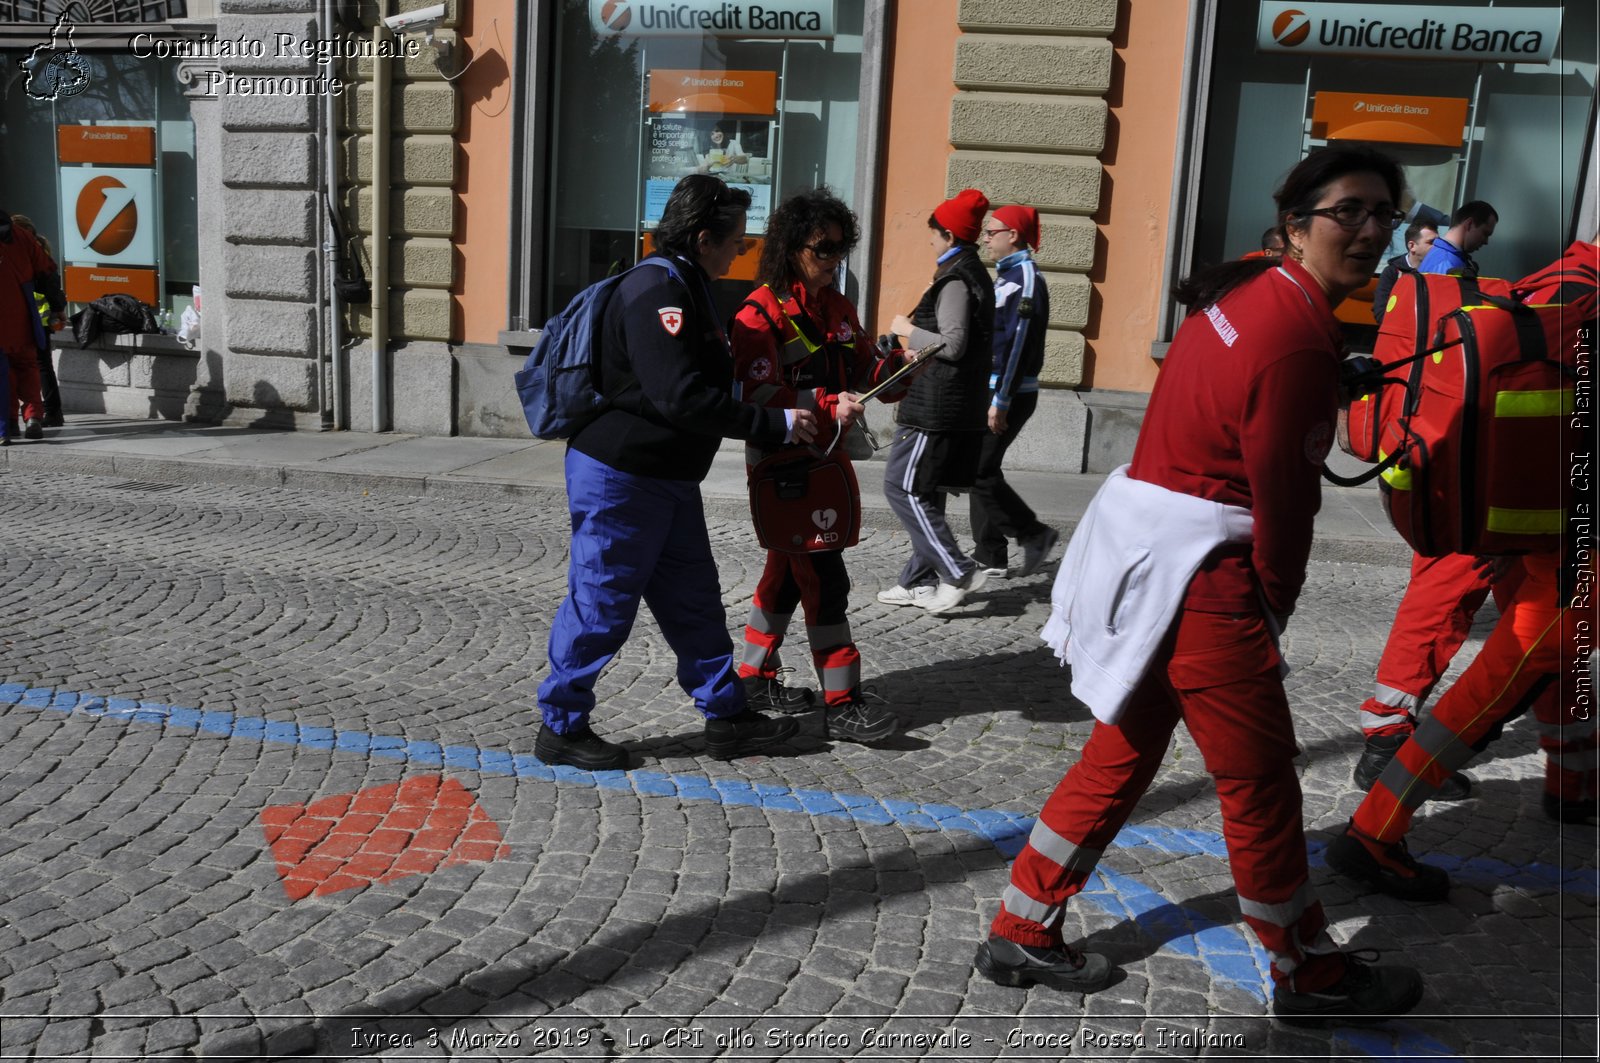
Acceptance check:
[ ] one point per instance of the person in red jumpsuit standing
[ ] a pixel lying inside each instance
(1173, 590)
(797, 343)
(1544, 640)
(25, 269)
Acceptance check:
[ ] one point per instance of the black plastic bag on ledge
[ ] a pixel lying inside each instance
(113, 314)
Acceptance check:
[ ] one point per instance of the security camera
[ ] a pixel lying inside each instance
(422, 20)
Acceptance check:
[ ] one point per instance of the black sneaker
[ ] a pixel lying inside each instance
(54, 420)
(1366, 992)
(748, 732)
(1581, 812)
(34, 429)
(769, 695)
(1380, 750)
(1036, 551)
(860, 721)
(1396, 872)
(579, 749)
(1004, 962)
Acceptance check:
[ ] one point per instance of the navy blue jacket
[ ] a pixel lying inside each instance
(667, 372)
(1021, 311)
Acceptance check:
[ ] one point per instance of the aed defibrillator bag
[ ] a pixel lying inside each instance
(1481, 433)
(802, 503)
(1416, 304)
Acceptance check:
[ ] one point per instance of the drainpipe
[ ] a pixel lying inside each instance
(329, 387)
(380, 225)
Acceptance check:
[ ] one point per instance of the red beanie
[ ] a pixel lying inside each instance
(962, 215)
(1025, 220)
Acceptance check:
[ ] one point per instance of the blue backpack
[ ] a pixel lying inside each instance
(557, 384)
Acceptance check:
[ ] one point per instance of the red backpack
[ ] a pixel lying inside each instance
(1481, 431)
(1416, 304)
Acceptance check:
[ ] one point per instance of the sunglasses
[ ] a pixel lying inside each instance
(829, 248)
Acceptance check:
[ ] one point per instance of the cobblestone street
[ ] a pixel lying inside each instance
(267, 789)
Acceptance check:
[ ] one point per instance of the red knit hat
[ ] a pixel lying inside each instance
(962, 215)
(1024, 220)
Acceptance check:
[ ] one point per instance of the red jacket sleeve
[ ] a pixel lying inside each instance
(1285, 433)
(758, 361)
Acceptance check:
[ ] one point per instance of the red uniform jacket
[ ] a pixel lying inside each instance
(780, 368)
(21, 261)
(1243, 413)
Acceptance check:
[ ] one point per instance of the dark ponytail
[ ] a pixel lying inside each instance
(1299, 193)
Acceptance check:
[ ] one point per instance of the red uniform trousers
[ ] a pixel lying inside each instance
(24, 374)
(1538, 636)
(819, 582)
(1219, 674)
(1433, 620)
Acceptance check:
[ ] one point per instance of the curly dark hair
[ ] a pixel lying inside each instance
(796, 221)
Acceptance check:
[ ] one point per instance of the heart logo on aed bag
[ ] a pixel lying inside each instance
(824, 518)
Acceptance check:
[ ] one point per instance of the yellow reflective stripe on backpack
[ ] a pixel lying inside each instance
(1550, 402)
(1525, 521)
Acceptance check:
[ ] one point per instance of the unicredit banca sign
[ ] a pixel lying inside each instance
(1476, 34)
(787, 19)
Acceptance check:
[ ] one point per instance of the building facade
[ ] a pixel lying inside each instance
(524, 151)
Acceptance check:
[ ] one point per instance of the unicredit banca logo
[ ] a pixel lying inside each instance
(616, 14)
(107, 215)
(1291, 27)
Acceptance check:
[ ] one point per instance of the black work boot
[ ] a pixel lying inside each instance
(748, 732)
(766, 694)
(1380, 750)
(1005, 962)
(579, 749)
(1388, 867)
(1366, 992)
(1581, 812)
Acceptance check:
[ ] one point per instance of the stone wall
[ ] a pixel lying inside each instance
(262, 322)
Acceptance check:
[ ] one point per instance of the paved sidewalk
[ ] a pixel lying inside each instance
(267, 792)
(1351, 526)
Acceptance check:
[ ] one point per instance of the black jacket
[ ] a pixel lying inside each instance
(666, 370)
(1386, 281)
(954, 396)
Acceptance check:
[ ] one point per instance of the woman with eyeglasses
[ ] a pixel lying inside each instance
(797, 342)
(633, 488)
(1177, 582)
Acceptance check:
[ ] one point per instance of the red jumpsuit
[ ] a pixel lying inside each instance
(22, 260)
(1540, 648)
(800, 352)
(1243, 414)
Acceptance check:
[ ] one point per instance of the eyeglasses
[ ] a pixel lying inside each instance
(1354, 215)
(992, 232)
(834, 249)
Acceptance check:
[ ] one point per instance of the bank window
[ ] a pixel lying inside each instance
(112, 181)
(1511, 133)
(638, 113)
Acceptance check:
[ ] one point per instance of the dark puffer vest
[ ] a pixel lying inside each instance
(954, 396)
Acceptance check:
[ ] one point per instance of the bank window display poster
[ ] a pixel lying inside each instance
(716, 122)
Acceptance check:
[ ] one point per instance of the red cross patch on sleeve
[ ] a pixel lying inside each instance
(671, 319)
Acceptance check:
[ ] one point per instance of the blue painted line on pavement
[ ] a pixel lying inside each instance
(1227, 953)
(1006, 831)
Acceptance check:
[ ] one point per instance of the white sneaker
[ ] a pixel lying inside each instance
(898, 595)
(995, 573)
(950, 595)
